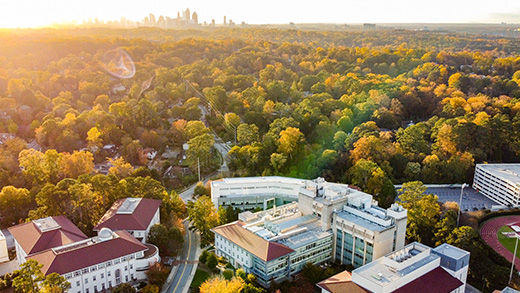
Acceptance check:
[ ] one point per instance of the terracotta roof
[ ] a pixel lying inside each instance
(32, 239)
(258, 246)
(87, 253)
(436, 281)
(340, 283)
(138, 219)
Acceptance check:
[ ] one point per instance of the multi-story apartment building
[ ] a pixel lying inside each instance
(328, 222)
(499, 182)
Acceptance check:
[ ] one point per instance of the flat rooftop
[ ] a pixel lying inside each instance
(128, 206)
(46, 224)
(509, 172)
(397, 265)
(311, 234)
(357, 220)
(451, 251)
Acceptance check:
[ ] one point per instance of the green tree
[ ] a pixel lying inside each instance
(29, 277)
(54, 283)
(200, 149)
(228, 274)
(212, 261)
(247, 134)
(195, 128)
(203, 256)
(203, 217)
(423, 212)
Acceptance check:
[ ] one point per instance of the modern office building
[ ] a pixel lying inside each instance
(329, 221)
(252, 192)
(135, 215)
(89, 264)
(499, 182)
(416, 268)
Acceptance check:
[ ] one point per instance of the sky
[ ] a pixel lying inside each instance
(36, 13)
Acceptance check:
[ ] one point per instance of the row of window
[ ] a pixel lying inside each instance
(100, 266)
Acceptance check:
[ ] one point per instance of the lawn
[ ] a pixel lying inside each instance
(199, 278)
(508, 243)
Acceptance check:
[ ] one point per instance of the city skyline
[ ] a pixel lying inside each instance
(31, 13)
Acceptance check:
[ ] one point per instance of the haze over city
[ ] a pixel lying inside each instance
(32, 13)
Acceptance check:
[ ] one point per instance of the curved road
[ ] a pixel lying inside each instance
(184, 267)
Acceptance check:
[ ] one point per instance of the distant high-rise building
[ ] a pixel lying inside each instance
(187, 15)
(195, 18)
(224, 20)
(152, 19)
(213, 22)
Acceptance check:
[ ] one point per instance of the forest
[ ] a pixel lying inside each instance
(83, 110)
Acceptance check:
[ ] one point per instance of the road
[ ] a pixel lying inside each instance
(185, 266)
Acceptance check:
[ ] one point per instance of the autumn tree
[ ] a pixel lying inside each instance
(203, 217)
(14, 205)
(221, 285)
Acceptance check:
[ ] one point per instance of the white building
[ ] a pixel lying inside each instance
(4, 255)
(499, 182)
(135, 215)
(251, 192)
(274, 244)
(89, 264)
(416, 268)
(329, 221)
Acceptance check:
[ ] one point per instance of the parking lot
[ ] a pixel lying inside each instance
(471, 199)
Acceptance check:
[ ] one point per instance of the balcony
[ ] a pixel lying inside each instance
(151, 256)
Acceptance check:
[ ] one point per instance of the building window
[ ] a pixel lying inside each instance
(109, 273)
(86, 280)
(95, 288)
(110, 284)
(126, 268)
(77, 283)
(126, 278)
(94, 278)
(86, 290)
(131, 266)
(102, 275)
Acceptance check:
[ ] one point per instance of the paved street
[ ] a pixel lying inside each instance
(185, 266)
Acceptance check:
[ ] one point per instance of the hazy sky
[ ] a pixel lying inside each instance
(30, 13)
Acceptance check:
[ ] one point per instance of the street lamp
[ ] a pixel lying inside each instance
(516, 229)
(460, 202)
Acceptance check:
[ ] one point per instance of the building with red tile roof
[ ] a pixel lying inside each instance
(43, 234)
(88, 264)
(340, 283)
(135, 215)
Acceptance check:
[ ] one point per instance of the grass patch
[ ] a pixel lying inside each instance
(509, 243)
(199, 278)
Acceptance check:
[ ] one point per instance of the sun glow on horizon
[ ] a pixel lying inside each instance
(36, 13)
